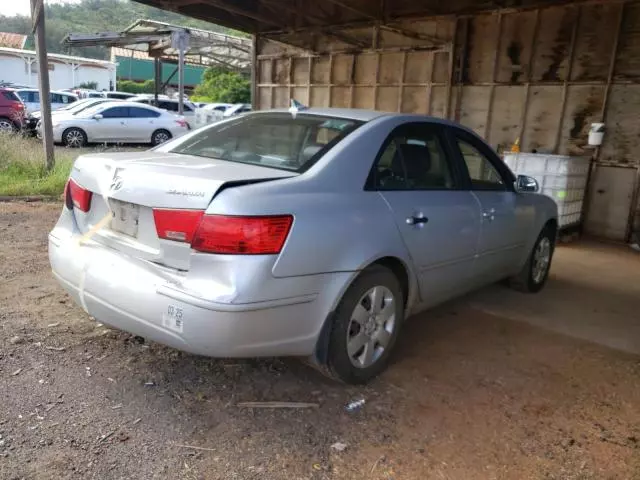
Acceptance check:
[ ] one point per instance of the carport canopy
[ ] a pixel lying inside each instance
(301, 23)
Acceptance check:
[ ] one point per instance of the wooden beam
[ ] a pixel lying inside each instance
(255, 45)
(406, 32)
(492, 91)
(612, 63)
(527, 87)
(452, 53)
(402, 76)
(567, 80)
(243, 12)
(353, 9)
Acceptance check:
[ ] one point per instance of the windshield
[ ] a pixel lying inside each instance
(277, 140)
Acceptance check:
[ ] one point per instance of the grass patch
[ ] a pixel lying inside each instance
(22, 170)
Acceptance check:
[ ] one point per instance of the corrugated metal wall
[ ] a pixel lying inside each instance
(539, 75)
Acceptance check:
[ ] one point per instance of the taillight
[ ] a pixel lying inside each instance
(178, 225)
(182, 123)
(242, 235)
(80, 197)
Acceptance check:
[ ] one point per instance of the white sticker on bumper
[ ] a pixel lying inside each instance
(173, 318)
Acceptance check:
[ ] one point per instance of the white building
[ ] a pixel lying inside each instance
(21, 67)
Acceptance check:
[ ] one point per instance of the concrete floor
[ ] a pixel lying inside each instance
(593, 294)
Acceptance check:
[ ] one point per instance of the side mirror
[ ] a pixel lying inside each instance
(98, 116)
(527, 184)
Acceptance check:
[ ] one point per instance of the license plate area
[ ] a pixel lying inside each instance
(125, 217)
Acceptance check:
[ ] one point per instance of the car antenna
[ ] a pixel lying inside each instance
(295, 107)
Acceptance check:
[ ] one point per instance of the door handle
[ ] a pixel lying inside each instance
(419, 219)
(489, 214)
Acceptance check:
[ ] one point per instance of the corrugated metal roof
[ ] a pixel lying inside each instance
(12, 40)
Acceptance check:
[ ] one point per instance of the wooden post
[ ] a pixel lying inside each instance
(452, 53)
(565, 86)
(157, 79)
(492, 91)
(612, 63)
(254, 72)
(330, 92)
(402, 75)
(37, 16)
(527, 87)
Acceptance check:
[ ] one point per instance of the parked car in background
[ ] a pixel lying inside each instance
(312, 235)
(119, 95)
(237, 109)
(31, 99)
(12, 111)
(211, 112)
(117, 122)
(34, 119)
(169, 105)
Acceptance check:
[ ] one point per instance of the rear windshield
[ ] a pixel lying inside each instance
(277, 140)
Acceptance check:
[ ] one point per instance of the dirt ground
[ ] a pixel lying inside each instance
(471, 395)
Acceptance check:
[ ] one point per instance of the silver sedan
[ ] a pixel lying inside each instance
(117, 122)
(310, 233)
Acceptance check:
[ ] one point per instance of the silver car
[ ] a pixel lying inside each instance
(311, 233)
(117, 121)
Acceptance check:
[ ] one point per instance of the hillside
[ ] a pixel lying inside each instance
(91, 16)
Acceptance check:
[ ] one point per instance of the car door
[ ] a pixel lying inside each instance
(113, 126)
(438, 219)
(142, 123)
(504, 217)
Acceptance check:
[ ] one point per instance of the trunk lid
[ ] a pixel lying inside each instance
(129, 186)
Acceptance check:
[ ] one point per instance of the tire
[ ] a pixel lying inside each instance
(360, 344)
(7, 126)
(160, 136)
(74, 138)
(533, 276)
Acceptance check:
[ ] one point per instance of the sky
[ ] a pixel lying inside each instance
(21, 7)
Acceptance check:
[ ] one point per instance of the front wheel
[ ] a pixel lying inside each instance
(535, 271)
(74, 138)
(365, 326)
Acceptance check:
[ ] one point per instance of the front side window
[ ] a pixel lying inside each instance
(277, 140)
(116, 112)
(484, 175)
(413, 158)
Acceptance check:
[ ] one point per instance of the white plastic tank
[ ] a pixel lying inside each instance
(560, 177)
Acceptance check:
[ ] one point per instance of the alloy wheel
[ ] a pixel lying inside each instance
(74, 139)
(541, 260)
(371, 327)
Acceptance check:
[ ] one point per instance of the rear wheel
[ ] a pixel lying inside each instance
(74, 138)
(7, 126)
(535, 271)
(365, 326)
(160, 136)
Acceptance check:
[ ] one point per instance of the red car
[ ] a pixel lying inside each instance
(12, 111)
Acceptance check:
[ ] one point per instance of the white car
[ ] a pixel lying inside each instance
(31, 99)
(210, 112)
(33, 120)
(169, 105)
(237, 109)
(118, 122)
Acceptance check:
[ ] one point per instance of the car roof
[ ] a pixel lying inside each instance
(349, 113)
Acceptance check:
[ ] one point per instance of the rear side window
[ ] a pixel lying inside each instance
(170, 106)
(11, 96)
(413, 158)
(136, 112)
(29, 97)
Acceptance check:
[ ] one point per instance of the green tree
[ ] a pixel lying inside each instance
(223, 86)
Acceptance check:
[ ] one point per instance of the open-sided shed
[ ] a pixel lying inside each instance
(530, 70)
